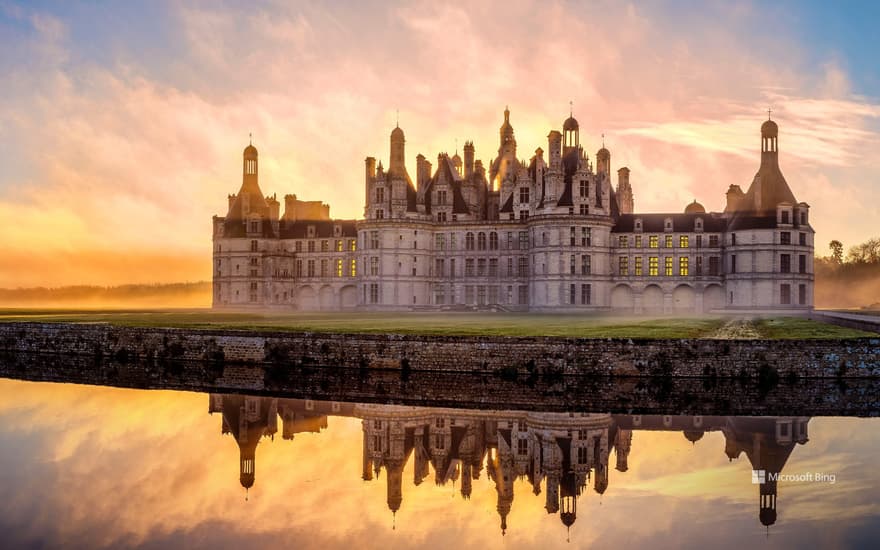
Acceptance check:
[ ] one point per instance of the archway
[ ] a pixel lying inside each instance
(326, 298)
(713, 298)
(306, 300)
(348, 297)
(622, 298)
(684, 299)
(652, 299)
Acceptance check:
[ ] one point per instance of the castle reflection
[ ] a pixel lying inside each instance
(566, 453)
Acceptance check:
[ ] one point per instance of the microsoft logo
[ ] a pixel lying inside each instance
(759, 477)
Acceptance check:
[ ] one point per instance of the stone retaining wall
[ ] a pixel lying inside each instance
(851, 358)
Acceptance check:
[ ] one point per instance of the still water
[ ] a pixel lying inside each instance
(96, 467)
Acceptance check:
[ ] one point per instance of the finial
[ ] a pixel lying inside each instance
(570, 108)
(456, 146)
(768, 113)
(246, 494)
(603, 141)
(397, 121)
(250, 138)
(394, 520)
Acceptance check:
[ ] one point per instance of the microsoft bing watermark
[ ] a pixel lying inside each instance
(760, 477)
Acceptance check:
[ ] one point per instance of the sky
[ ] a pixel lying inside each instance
(123, 123)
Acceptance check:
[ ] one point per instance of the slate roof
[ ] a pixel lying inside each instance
(681, 223)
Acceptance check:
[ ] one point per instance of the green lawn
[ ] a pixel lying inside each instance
(474, 324)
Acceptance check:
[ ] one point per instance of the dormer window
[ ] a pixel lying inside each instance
(667, 224)
(638, 224)
(337, 230)
(698, 224)
(310, 231)
(785, 217)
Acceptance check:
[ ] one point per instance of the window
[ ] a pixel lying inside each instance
(572, 237)
(441, 197)
(522, 267)
(638, 241)
(522, 446)
(653, 241)
(733, 263)
(441, 217)
(339, 267)
(683, 266)
(699, 270)
(586, 236)
(374, 293)
(380, 214)
(311, 246)
(523, 215)
(352, 268)
(785, 294)
(469, 241)
(803, 218)
(523, 240)
(523, 295)
(439, 295)
(622, 241)
(493, 241)
(299, 268)
(380, 194)
(324, 268)
(699, 241)
(440, 241)
(623, 266)
(469, 294)
(785, 263)
(802, 239)
(510, 267)
(786, 216)
(668, 241)
(469, 267)
(733, 239)
(452, 241)
(251, 166)
(668, 266)
(253, 246)
(584, 188)
(582, 455)
(713, 241)
(481, 241)
(524, 195)
(802, 263)
(802, 295)
(298, 247)
(493, 267)
(374, 239)
(310, 268)
(683, 241)
(586, 294)
(481, 267)
(785, 237)
(572, 294)
(439, 267)
(254, 227)
(638, 266)
(452, 268)
(572, 264)
(584, 209)
(586, 264)
(374, 266)
(653, 266)
(713, 266)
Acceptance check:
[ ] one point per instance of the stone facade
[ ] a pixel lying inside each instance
(536, 235)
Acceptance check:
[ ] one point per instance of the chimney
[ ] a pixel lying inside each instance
(554, 141)
(468, 159)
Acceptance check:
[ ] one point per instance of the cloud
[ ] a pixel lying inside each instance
(133, 152)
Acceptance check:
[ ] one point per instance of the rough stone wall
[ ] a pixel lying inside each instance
(520, 355)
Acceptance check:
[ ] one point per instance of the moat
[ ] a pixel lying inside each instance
(341, 458)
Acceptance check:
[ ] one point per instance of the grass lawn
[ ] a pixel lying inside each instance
(472, 324)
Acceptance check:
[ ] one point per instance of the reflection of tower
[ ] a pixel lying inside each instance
(500, 469)
(622, 445)
(767, 442)
(248, 419)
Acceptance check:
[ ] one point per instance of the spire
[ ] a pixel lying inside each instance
(250, 138)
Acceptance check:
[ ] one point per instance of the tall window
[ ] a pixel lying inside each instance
(524, 195)
(374, 266)
(586, 236)
(481, 241)
(253, 246)
(440, 241)
(668, 266)
(683, 266)
(785, 237)
(733, 263)
(352, 268)
(668, 241)
(571, 265)
(653, 241)
(586, 294)
(802, 295)
(251, 167)
(572, 294)
(439, 267)
(623, 266)
(374, 239)
(638, 241)
(493, 241)
(522, 267)
(572, 237)
(785, 294)
(683, 241)
(523, 240)
(623, 241)
(469, 267)
(785, 263)
(469, 241)
(653, 266)
(380, 194)
(638, 266)
(584, 188)
(713, 241)
(339, 267)
(311, 268)
(586, 264)
(441, 197)
(802, 264)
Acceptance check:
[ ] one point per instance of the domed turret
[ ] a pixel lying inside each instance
(769, 129)
(693, 435)
(694, 208)
(570, 123)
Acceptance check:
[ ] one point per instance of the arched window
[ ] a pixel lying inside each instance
(469, 241)
(481, 241)
(493, 241)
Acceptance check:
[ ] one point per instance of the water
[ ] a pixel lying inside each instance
(95, 467)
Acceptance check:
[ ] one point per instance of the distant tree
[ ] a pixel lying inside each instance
(866, 253)
(836, 251)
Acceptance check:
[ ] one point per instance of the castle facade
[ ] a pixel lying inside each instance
(549, 234)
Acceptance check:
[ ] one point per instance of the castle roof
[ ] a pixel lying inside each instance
(681, 223)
